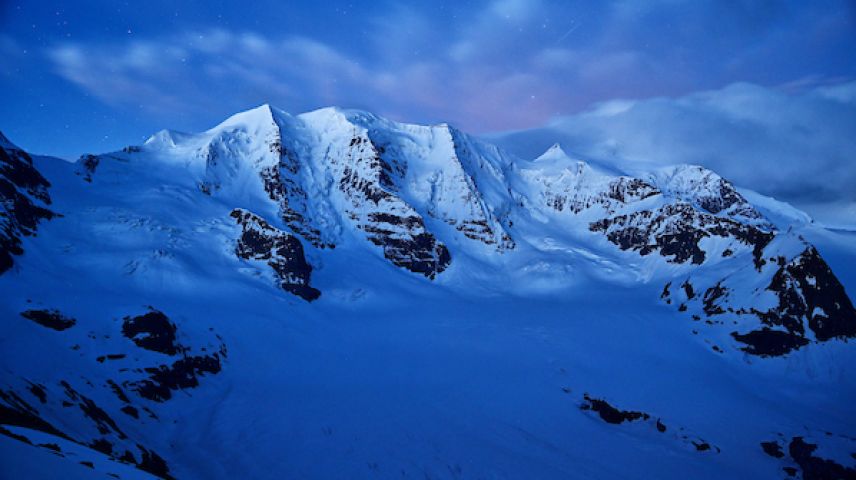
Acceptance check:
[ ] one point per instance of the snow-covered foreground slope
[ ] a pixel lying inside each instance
(334, 295)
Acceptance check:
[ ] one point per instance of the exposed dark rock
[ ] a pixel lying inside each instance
(701, 446)
(420, 253)
(51, 446)
(49, 318)
(15, 411)
(367, 182)
(772, 449)
(39, 392)
(128, 457)
(809, 297)
(130, 411)
(153, 463)
(711, 296)
(610, 414)
(110, 356)
(102, 445)
(152, 331)
(808, 289)
(181, 374)
(675, 231)
(118, 391)
(770, 343)
(22, 190)
(283, 185)
(282, 252)
(102, 420)
(688, 289)
(817, 468)
(86, 166)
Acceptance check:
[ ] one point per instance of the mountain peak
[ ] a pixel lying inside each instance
(261, 117)
(555, 152)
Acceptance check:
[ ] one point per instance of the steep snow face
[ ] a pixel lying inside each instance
(333, 294)
(445, 175)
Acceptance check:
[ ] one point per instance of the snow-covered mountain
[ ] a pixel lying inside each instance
(333, 294)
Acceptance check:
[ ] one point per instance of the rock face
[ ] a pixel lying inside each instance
(694, 218)
(811, 465)
(676, 231)
(49, 318)
(282, 252)
(792, 299)
(152, 331)
(387, 220)
(610, 414)
(86, 166)
(101, 408)
(23, 200)
(337, 179)
(615, 416)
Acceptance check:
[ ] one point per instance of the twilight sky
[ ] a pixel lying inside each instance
(96, 75)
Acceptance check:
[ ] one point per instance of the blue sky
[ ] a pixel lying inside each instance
(78, 76)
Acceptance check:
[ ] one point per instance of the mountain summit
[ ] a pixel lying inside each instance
(334, 294)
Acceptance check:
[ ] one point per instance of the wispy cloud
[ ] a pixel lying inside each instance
(486, 66)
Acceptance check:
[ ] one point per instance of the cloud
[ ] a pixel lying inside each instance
(796, 146)
(488, 65)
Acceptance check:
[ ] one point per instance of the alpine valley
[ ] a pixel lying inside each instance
(336, 295)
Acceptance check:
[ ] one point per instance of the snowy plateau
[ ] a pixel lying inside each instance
(335, 295)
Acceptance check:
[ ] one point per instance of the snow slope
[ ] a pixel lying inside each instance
(335, 295)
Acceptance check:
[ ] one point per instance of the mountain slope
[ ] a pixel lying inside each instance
(24, 195)
(335, 294)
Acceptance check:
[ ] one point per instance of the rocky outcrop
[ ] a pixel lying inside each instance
(52, 319)
(103, 407)
(152, 331)
(282, 252)
(388, 221)
(23, 200)
(63, 412)
(809, 298)
(87, 164)
(708, 192)
(615, 416)
(610, 414)
(810, 294)
(676, 231)
(802, 454)
(798, 300)
(283, 185)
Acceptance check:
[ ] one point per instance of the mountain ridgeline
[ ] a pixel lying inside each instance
(278, 198)
(408, 192)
